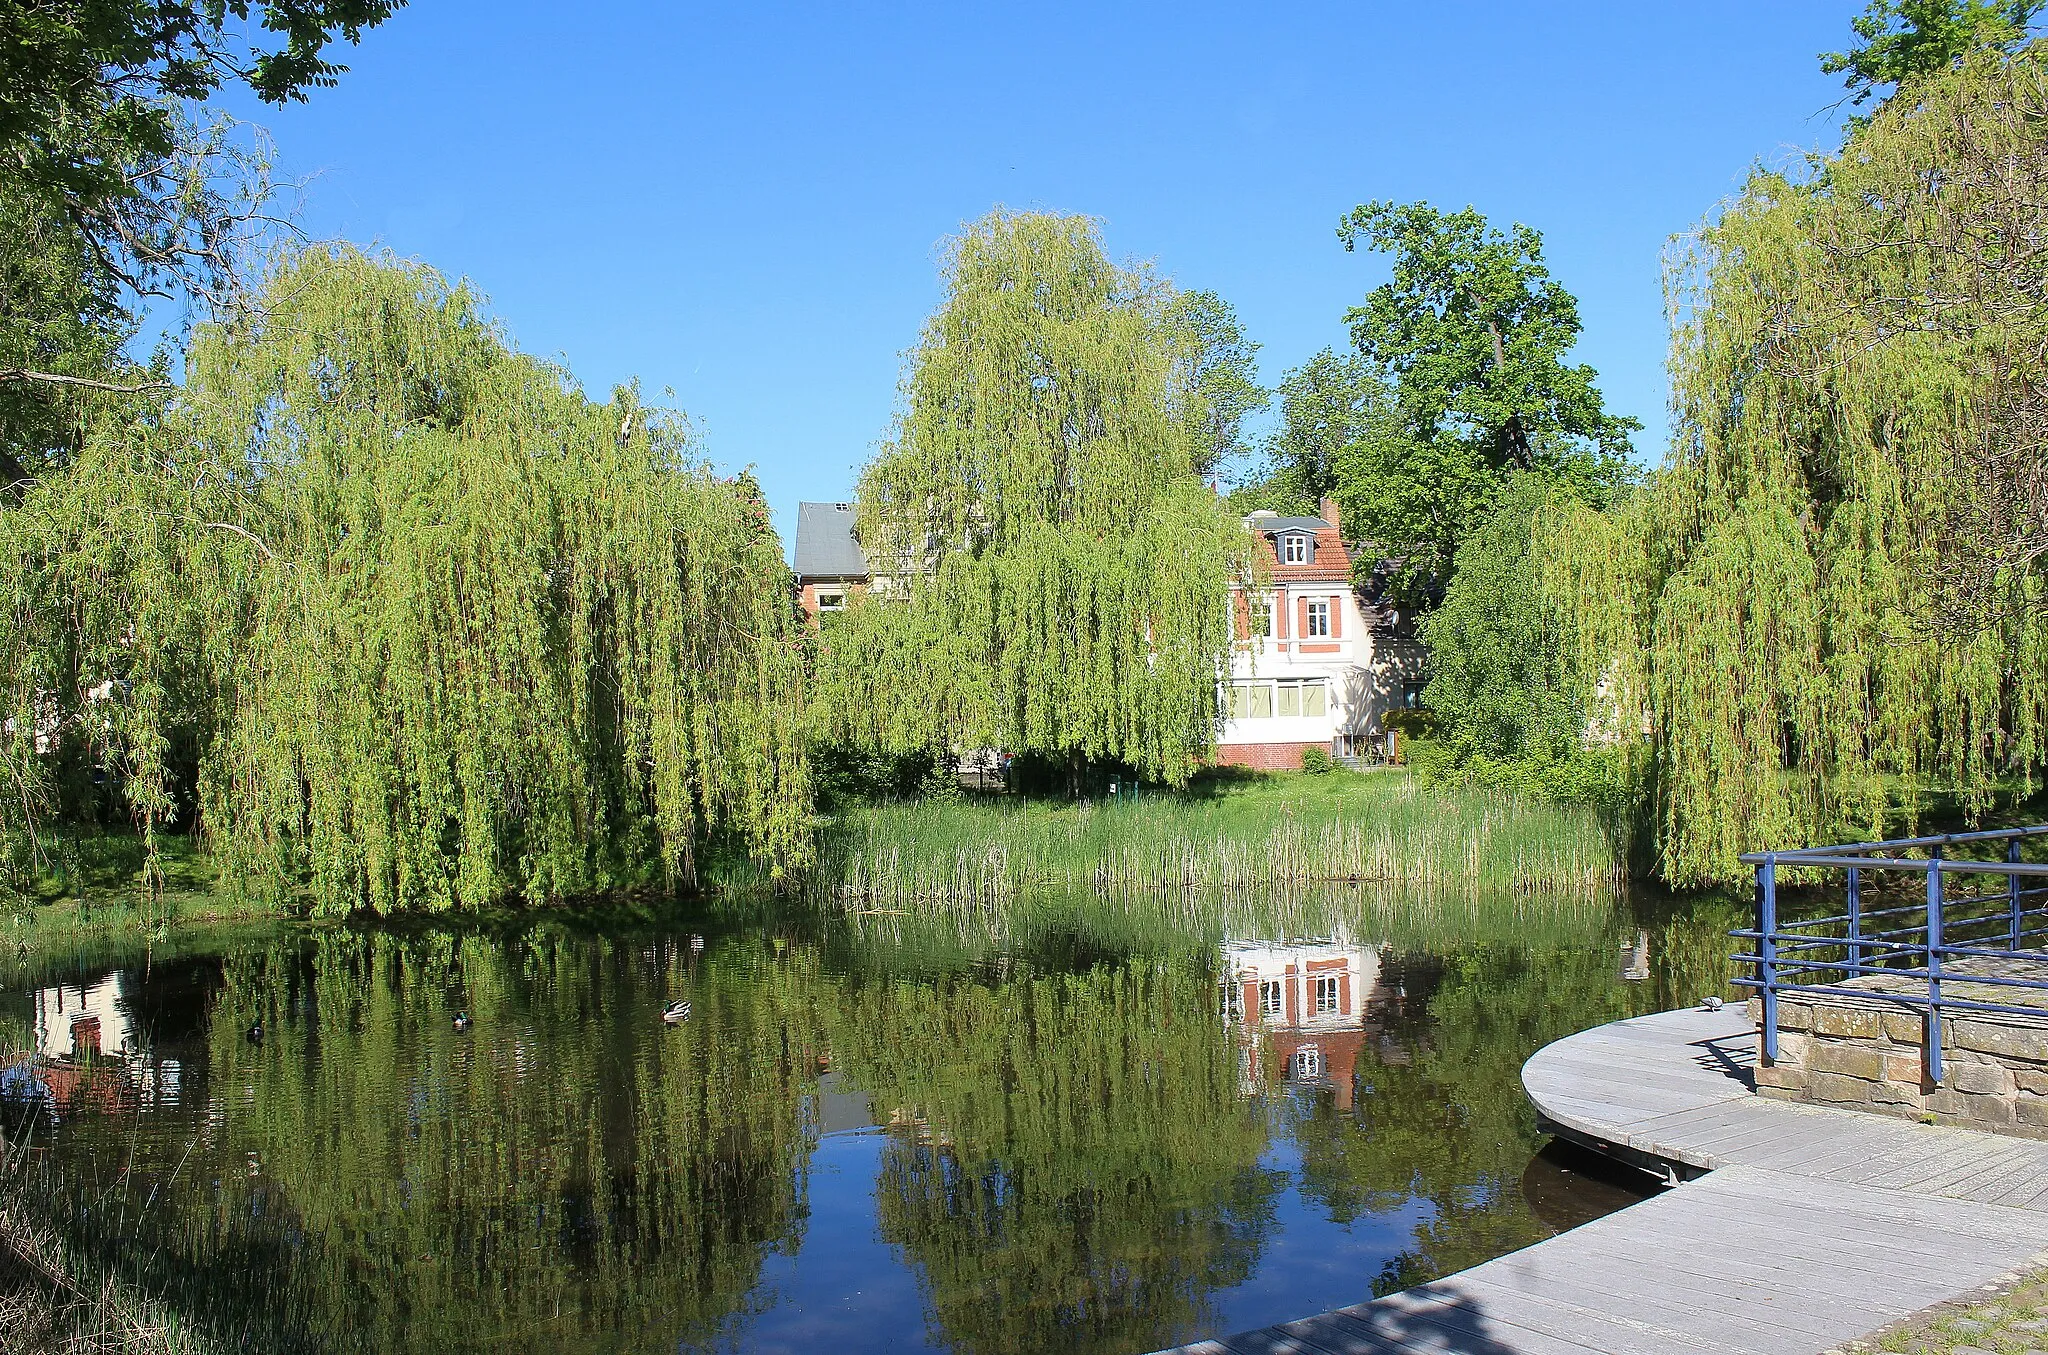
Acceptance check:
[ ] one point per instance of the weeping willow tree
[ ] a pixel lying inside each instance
(1829, 606)
(387, 609)
(1053, 572)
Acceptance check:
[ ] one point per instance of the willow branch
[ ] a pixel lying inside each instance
(21, 374)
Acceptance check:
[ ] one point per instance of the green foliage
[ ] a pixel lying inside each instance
(89, 87)
(1054, 569)
(1471, 334)
(1222, 368)
(1906, 39)
(396, 613)
(1829, 605)
(1326, 405)
(1316, 761)
(1498, 680)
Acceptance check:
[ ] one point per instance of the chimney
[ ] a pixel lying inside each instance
(1328, 511)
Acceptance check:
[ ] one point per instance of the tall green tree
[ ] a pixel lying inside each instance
(1902, 40)
(1497, 674)
(1472, 334)
(1055, 572)
(1829, 608)
(1223, 369)
(398, 615)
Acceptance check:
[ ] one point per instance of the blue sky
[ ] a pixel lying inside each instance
(746, 206)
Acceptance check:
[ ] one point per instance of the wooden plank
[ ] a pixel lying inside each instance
(1817, 1226)
(1559, 1310)
(1456, 1327)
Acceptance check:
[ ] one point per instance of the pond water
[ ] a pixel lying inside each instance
(1037, 1135)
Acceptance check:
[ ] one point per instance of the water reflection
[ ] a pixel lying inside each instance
(1048, 1143)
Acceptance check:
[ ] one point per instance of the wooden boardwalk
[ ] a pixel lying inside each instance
(1810, 1226)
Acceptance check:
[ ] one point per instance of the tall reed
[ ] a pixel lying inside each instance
(1277, 835)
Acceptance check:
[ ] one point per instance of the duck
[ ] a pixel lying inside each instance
(677, 1012)
(461, 1022)
(256, 1032)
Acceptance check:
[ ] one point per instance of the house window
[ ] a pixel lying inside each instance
(1411, 694)
(1318, 618)
(1326, 994)
(1251, 700)
(1269, 997)
(1308, 1064)
(1302, 696)
(1294, 550)
(834, 601)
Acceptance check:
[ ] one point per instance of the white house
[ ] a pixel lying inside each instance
(1320, 663)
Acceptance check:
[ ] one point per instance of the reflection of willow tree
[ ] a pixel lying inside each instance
(1073, 1167)
(567, 1170)
(1439, 1112)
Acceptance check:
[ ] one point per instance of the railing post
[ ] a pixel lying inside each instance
(1767, 948)
(1933, 1027)
(1855, 915)
(2012, 890)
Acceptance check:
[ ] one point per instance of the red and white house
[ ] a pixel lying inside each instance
(1319, 664)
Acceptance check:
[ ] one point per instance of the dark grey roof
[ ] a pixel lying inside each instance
(825, 547)
(1291, 524)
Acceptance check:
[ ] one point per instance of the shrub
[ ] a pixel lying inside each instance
(1317, 761)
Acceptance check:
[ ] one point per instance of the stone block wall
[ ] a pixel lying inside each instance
(1872, 1056)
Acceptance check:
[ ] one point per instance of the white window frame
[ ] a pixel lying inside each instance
(1272, 997)
(833, 601)
(1329, 993)
(1316, 626)
(1308, 1063)
(1294, 549)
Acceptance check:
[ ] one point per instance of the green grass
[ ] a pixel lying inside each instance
(92, 884)
(1273, 833)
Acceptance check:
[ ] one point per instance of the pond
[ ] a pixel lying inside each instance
(1043, 1132)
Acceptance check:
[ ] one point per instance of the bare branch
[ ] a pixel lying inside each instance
(246, 534)
(10, 375)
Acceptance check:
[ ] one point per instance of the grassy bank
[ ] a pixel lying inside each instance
(93, 885)
(52, 1304)
(1280, 832)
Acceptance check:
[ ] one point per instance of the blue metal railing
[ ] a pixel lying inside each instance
(1978, 920)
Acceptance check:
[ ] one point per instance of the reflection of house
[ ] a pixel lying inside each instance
(1322, 661)
(1302, 1008)
(89, 1054)
(75, 1021)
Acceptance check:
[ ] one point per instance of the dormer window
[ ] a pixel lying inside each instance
(1294, 549)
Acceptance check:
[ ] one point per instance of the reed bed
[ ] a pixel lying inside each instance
(1271, 836)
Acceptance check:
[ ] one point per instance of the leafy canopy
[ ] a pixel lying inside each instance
(1906, 39)
(1471, 333)
(1055, 571)
(89, 86)
(1831, 604)
(397, 615)
(1327, 404)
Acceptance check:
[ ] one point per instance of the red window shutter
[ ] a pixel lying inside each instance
(1302, 611)
(1336, 617)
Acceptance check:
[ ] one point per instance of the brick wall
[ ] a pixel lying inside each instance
(807, 595)
(1264, 757)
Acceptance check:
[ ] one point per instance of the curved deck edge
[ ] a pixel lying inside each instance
(1656, 1092)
